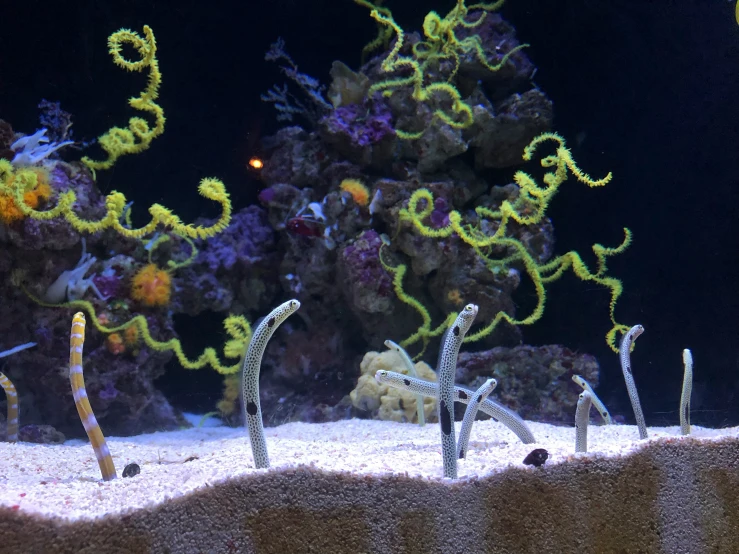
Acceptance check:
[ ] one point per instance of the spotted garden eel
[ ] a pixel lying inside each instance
(411, 367)
(469, 415)
(582, 416)
(596, 401)
(446, 370)
(500, 413)
(625, 355)
(250, 379)
(77, 380)
(11, 395)
(687, 389)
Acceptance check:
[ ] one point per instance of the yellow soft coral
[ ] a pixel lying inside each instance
(528, 208)
(231, 395)
(440, 43)
(390, 404)
(138, 135)
(236, 327)
(115, 204)
(31, 185)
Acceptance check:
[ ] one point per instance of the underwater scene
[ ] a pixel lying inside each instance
(369, 276)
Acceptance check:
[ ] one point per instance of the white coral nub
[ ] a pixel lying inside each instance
(32, 149)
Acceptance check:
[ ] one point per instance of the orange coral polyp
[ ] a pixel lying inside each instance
(9, 212)
(131, 335)
(34, 197)
(114, 344)
(151, 286)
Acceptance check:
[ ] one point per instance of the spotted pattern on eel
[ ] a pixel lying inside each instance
(687, 389)
(469, 415)
(507, 417)
(250, 379)
(602, 410)
(625, 356)
(582, 416)
(447, 369)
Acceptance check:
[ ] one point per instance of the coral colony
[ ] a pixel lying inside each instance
(367, 206)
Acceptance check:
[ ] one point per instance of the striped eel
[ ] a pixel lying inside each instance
(97, 440)
(250, 379)
(11, 425)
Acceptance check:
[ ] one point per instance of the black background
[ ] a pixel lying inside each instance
(651, 87)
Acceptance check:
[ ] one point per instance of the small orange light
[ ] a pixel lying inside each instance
(256, 163)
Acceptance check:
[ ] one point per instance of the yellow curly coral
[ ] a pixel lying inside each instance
(115, 204)
(138, 135)
(528, 209)
(236, 327)
(441, 42)
(118, 142)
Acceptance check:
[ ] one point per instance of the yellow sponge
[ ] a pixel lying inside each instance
(390, 404)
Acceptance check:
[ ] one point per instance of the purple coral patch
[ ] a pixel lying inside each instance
(440, 215)
(110, 285)
(362, 263)
(246, 240)
(362, 124)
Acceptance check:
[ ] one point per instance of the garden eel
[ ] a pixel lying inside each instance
(446, 370)
(582, 415)
(11, 424)
(250, 379)
(11, 395)
(410, 366)
(687, 389)
(625, 355)
(596, 401)
(500, 413)
(97, 440)
(469, 415)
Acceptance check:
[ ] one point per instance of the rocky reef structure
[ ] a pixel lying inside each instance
(383, 215)
(535, 382)
(49, 263)
(67, 247)
(431, 114)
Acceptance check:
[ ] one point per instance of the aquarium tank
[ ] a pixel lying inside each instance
(369, 276)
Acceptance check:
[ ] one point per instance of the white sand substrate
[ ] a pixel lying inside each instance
(64, 480)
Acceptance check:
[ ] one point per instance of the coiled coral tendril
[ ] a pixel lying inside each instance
(115, 204)
(138, 135)
(528, 208)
